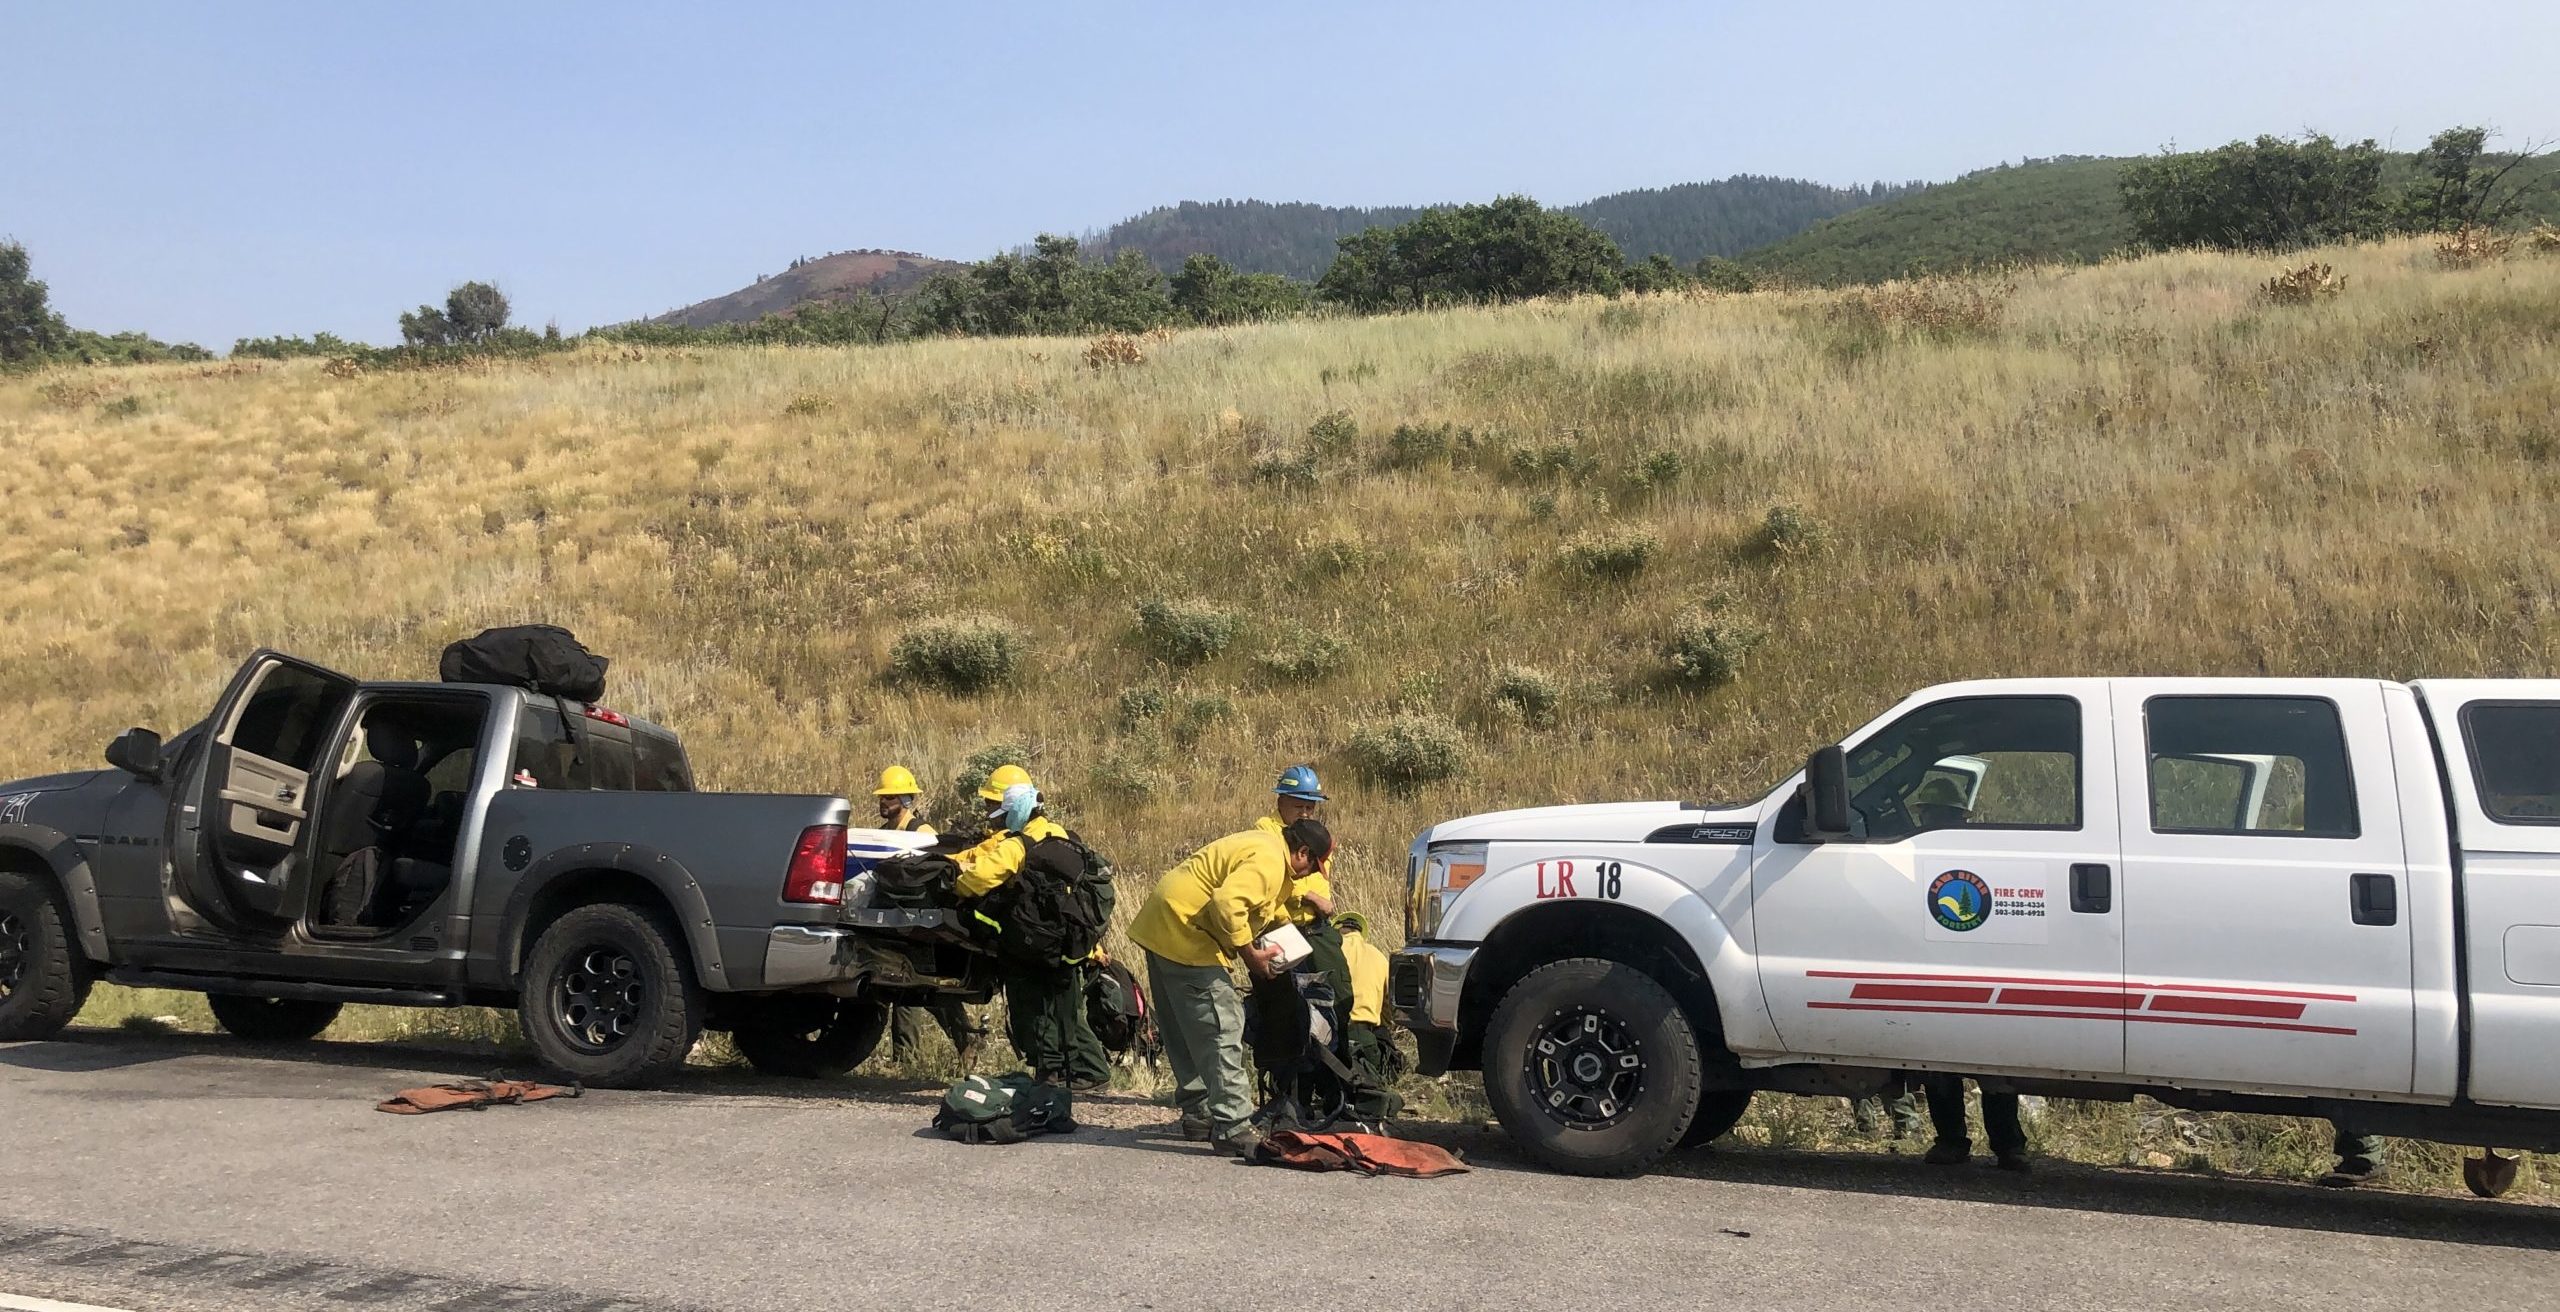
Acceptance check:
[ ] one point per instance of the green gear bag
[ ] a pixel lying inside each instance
(1004, 1109)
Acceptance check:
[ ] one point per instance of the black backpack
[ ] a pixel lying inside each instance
(1055, 908)
(1116, 1007)
(915, 880)
(540, 657)
(1297, 1054)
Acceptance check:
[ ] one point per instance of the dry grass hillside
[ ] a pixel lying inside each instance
(1569, 551)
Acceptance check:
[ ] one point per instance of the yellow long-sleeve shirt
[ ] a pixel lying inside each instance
(1205, 911)
(986, 867)
(1317, 882)
(1368, 978)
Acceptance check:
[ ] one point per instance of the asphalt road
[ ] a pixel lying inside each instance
(176, 1173)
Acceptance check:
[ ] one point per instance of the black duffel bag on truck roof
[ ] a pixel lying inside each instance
(543, 658)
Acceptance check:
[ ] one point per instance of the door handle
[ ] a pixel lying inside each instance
(2373, 899)
(284, 792)
(2093, 889)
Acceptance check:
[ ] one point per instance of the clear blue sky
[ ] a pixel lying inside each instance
(208, 171)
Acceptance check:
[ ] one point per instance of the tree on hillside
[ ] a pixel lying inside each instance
(1050, 291)
(473, 314)
(29, 329)
(2459, 185)
(1208, 290)
(1510, 250)
(2270, 194)
(475, 311)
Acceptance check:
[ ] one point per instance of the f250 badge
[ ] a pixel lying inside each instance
(1960, 900)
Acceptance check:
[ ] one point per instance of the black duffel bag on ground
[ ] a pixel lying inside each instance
(541, 657)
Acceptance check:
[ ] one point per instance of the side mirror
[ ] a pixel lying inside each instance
(1826, 796)
(137, 753)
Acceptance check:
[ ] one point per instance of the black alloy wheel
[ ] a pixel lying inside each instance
(601, 998)
(1586, 1068)
(13, 952)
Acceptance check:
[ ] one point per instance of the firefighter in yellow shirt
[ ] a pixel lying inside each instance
(898, 794)
(1202, 918)
(1374, 1058)
(1044, 1000)
(1297, 797)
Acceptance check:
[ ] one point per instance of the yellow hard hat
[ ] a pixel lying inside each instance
(1005, 776)
(897, 781)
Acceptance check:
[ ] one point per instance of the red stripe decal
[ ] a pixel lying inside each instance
(2230, 1007)
(2070, 998)
(2126, 985)
(1920, 993)
(2080, 1015)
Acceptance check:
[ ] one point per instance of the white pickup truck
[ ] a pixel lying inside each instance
(2323, 897)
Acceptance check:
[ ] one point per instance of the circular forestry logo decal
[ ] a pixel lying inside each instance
(1960, 900)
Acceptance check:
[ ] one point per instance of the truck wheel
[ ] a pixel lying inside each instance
(1592, 1067)
(809, 1036)
(1719, 1110)
(44, 981)
(609, 999)
(271, 1020)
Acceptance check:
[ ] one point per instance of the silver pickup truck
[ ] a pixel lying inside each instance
(318, 841)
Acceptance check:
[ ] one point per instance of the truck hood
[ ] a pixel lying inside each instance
(1596, 822)
(50, 783)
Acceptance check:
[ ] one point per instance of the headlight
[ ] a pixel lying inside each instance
(1438, 872)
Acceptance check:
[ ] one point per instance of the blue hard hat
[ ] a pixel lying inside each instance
(1299, 781)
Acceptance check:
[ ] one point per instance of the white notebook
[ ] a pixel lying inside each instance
(1293, 945)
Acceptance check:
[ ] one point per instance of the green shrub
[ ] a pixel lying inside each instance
(1185, 632)
(1298, 653)
(1707, 651)
(1198, 714)
(1288, 466)
(1413, 446)
(983, 762)
(1333, 557)
(1608, 553)
(1333, 434)
(1561, 459)
(809, 403)
(962, 654)
(1529, 693)
(1140, 705)
(1657, 468)
(123, 407)
(1789, 531)
(1126, 775)
(1408, 751)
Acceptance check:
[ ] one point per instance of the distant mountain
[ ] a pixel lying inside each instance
(1694, 220)
(2064, 209)
(1687, 222)
(1294, 238)
(841, 276)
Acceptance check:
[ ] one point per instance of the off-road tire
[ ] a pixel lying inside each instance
(51, 981)
(271, 1020)
(1719, 1110)
(1631, 1113)
(808, 1036)
(609, 999)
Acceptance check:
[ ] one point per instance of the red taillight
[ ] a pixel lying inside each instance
(608, 716)
(817, 867)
